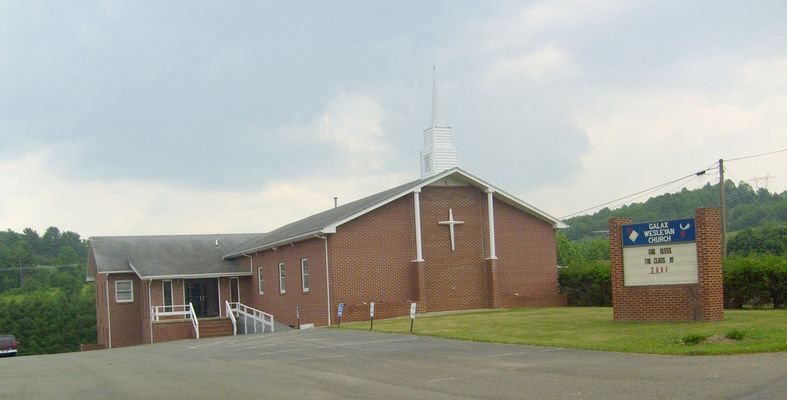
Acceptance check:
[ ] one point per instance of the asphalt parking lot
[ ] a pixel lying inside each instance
(332, 363)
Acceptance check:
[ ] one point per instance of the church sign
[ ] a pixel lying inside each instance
(659, 253)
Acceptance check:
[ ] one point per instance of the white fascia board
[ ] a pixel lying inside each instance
(278, 243)
(135, 270)
(115, 272)
(197, 276)
(556, 223)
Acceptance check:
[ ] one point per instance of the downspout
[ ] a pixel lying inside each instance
(251, 271)
(218, 284)
(327, 278)
(251, 264)
(109, 317)
(150, 308)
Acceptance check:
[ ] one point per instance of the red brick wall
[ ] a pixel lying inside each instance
(371, 257)
(125, 321)
(168, 331)
(701, 301)
(370, 261)
(312, 304)
(527, 253)
(455, 280)
(101, 308)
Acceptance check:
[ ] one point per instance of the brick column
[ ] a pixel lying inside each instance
(492, 291)
(616, 265)
(709, 263)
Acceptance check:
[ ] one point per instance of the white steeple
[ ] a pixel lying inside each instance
(439, 153)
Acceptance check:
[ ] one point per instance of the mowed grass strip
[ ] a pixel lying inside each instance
(592, 328)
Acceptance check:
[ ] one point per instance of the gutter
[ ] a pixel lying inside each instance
(277, 243)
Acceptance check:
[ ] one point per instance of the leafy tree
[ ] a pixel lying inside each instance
(766, 239)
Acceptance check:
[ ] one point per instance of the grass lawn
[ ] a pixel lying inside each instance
(592, 328)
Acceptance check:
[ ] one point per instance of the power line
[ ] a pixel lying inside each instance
(756, 155)
(698, 173)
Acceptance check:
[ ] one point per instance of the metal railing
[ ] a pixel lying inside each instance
(231, 314)
(194, 320)
(253, 314)
(171, 311)
(184, 310)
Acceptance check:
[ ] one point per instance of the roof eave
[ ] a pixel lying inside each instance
(268, 246)
(196, 276)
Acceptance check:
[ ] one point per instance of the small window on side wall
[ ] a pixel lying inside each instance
(282, 283)
(124, 291)
(305, 274)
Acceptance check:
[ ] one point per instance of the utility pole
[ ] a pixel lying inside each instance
(723, 206)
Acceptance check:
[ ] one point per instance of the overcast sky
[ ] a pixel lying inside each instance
(201, 117)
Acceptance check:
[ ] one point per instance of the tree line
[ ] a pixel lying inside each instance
(746, 208)
(44, 299)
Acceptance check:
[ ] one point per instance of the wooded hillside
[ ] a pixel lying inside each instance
(746, 208)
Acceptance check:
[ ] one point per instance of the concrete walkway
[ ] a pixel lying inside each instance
(332, 363)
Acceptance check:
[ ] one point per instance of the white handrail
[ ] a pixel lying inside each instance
(170, 311)
(264, 318)
(231, 314)
(194, 320)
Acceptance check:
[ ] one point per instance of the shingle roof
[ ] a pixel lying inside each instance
(329, 219)
(316, 222)
(170, 255)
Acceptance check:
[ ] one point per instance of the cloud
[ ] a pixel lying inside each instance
(34, 196)
(352, 122)
(542, 63)
(642, 138)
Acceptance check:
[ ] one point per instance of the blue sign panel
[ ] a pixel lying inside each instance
(659, 232)
(341, 309)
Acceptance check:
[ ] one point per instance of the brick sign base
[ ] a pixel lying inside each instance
(701, 301)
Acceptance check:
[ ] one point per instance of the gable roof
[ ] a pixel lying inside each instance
(327, 221)
(169, 256)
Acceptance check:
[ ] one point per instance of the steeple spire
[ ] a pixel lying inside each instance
(439, 153)
(435, 105)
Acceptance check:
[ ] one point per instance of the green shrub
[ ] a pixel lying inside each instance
(694, 338)
(587, 284)
(735, 334)
(758, 281)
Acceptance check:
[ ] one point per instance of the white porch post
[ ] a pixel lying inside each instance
(419, 255)
(490, 205)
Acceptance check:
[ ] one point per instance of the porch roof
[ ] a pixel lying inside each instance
(169, 256)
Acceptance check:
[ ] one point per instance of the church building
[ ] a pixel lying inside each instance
(447, 241)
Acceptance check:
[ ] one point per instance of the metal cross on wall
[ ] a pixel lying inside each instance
(451, 222)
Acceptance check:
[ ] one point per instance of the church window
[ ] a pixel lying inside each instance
(124, 291)
(282, 286)
(305, 274)
(259, 278)
(167, 289)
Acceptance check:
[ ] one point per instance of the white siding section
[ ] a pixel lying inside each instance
(439, 153)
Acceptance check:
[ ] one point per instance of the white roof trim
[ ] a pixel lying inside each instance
(196, 276)
(114, 272)
(278, 243)
(497, 192)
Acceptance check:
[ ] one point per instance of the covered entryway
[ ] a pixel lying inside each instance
(203, 295)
